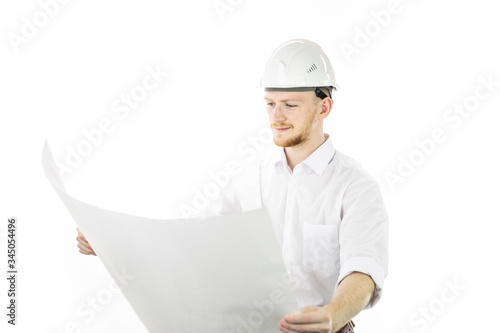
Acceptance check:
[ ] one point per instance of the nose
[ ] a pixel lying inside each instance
(276, 114)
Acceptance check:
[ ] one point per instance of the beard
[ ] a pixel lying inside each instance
(290, 139)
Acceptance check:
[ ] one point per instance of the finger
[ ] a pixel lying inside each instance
(80, 234)
(283, 327)
(84, 246)
(81, 238)
(83, 242)
(308, 318)
(89, 252)
(86, 252)
(85, 249)
(319, 327)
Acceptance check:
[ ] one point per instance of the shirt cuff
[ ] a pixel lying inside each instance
(369, 267)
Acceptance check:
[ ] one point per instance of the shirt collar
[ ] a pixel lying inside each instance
(317, 161)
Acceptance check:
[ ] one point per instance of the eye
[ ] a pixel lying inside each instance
(291, 106)
(270, 104)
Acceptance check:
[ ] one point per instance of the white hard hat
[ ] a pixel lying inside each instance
(298, 63)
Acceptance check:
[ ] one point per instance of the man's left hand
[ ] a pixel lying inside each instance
(310, 319)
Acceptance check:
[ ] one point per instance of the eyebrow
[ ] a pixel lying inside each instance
(284, 100)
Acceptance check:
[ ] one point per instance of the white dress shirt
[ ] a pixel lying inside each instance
(328, 216)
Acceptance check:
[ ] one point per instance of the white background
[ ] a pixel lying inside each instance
(428, 56)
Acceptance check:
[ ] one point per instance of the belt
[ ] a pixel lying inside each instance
(348, 328)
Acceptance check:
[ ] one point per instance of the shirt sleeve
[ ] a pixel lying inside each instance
(364, 233)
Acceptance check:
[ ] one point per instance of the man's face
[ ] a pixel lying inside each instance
(292, 116)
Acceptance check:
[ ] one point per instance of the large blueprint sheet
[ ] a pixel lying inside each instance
(217, 274)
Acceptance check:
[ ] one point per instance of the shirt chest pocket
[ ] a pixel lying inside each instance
(320, 247)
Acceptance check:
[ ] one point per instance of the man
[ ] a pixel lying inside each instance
(327, 211)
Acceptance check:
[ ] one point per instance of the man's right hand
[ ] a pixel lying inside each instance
(83, 245)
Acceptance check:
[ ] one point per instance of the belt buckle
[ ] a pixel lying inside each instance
(350, 325)
(348, 328)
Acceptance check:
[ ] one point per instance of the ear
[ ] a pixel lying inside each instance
(326, 106)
